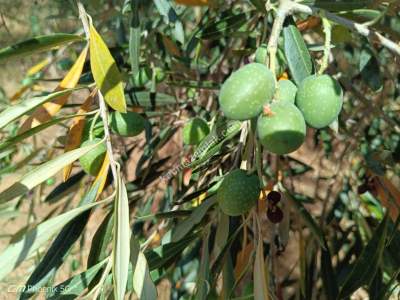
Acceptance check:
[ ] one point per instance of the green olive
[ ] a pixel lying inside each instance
(246, 91)
(282, 129)
(238, 192)
(320, 99)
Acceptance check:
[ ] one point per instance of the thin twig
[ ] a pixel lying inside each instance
(327, 47)
(361, 29)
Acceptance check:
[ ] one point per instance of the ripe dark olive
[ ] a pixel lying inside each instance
(282, 129)
(92, 161)
(275, 214)
(320, 99)
(274, 197)
(238, 192)
(246, 91)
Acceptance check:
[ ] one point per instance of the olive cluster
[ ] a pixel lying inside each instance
(282, 108)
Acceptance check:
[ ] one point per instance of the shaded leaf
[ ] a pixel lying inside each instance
(197, 215)
(60, 248)
(296, 52)
(38, 44)
(121, 248)
(32, 240)
(74, 286)
(367, 263)
(307, 218)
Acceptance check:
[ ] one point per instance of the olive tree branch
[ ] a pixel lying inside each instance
(327, 47)
(102, 105)
(361, 29)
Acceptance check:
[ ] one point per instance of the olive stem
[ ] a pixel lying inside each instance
(281, 14)
(327, 47)
(361, 29)
(96, 116)
(104, 117)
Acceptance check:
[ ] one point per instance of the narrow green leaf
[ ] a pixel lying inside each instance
(142, 282)
(42, 172)
(134, 38)
(203, 285)
(260, 276)
(167, 10)
(223, 27)
(60, 248)
(296, 52)
(161, 255)
(339, 5)
(121, 245)
(64, 188)
(17, 252)
(16, 139)
(222, 233)
(328, 275)
(367, 263)
(100, 241)
(18, 110)
(307, 218)
(197, 215)
(38, 44)
(74, 286)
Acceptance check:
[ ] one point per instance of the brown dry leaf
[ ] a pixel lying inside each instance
(309, 23)
(187, 174)
(384, 198)
(243, 258)
(171, 47)
(45, 112)
(74, 136)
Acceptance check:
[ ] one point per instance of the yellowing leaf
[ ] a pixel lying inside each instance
(106, 73)
(102, 176)
(38, 67)
(44, 113)
(75, 131)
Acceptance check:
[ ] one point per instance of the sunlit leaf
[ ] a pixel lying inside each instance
(16, 111)
(142, 282)
(51, 108)
(41, 173)
(17, 252)
(106, 73)
(121, 248)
